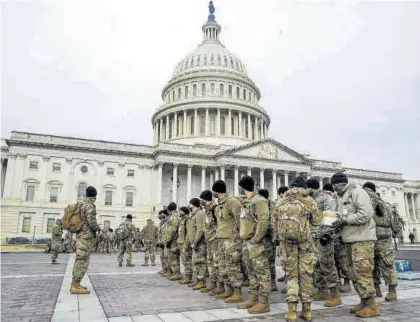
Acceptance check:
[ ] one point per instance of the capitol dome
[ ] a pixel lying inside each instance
(210, 97)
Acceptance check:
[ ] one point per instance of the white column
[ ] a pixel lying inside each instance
(174, 182)
(175, 127)
(286, 178)
(184, 132)
(240, 124)
(167, 128)
(161, 129)
(211, 179)
(216, 174)
(249, 127)
(274, 184)
(203, 178)
(262, 178)
(321, 184)
(249, 171)
(196, 123)
(189, 182)
(218, 123)
(235, 181)
(207, 122)
(229, 122)
(413, 205)
(407, 208)
(159, 184)
(222, 172)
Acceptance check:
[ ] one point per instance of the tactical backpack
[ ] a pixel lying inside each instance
(397, 223)
(122, 231)
(293, 225)
(72, 220)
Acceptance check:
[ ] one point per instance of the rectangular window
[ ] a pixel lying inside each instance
(108, 198)
(30, 191)
(50, 225)
(222, 90)
(230, 91)
(203, 89)
(33, 165)
(130, 173)
(53, 194)
(110, 171)
(237, 92)
(107, 224)
(129, 199)
(186, 92)
(56, 167)
(26, 225)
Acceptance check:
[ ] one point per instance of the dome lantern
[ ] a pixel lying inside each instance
(211, 29)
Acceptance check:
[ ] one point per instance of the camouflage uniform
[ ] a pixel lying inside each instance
(160, 242)
(126, 245)
(150, 233)
(186, 250)
(210, 227)
(270, 246)
(84, 238)
(170, 239)
(195, 233)
(56, 239)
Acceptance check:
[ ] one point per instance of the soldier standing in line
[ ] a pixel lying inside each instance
(254, 223)
(186, 250)
(162, 215)
(56, 240)
(355, 215)
(170, 240)
(137, 239)
(228, 214)
(126, 233)
(150, 233)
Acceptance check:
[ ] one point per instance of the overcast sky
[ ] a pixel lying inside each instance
(340, 79)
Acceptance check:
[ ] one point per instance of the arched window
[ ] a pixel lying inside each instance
(226, 61)
(198, 61)
(212, 88)
(232, 126)
(205, 60)
(212, 125)
(179, 93)
(219, 60)
(244, 95)
(202, 124)
(230, 91)
(203, 89)
(222, 125)
(237, 92)
(186, 92)
(173, 96)
(222, 90)
(192, 125)
(212, 59)
(249, 96)
(194, 90)
(81, 191)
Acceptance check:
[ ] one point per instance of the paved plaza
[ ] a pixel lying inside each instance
(34, 290)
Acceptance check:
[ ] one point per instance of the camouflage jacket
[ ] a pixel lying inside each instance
(57, 232)
(256, 217)
(182, 229)
(195, 227)
(171, 228)
(162, 225)
(88, 216)
(149, 232)
(131, 228)
(325, 201)
(228, 212)
(210, 222)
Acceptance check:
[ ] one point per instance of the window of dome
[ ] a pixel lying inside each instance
(173, 95)
(222, 90)
(205, 60)
(244, 94)
(202, 124)
(226, 61)
(232, 126)
(219, 60)
(231, 62)
(194, 90)
(249, 96)
(192, 61)
(170, 129)
(186, 92)
(179, 93)
(84, 169)
(230, 91)
(186, 63)
(198, 60)
(222, 125)
(203, 89)
(237, 65)
(212, 59)
(192, 125)
(212, 88)
(237, 93)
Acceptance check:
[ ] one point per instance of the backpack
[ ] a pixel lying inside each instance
(293, 225)
(397, 223)
(72, 220)
(122, 231)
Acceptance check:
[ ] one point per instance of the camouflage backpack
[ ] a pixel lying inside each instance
(122, 232)
(293, 224)
(397, 223)
(72, 220)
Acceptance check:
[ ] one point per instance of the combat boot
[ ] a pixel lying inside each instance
(335, 298)
(175, 277)
(392, 293)
(321, 295)
(218, 290)
(161, 272)
(370, 310)
(253, 300)
(153, 263)
(358, 307)
(209, 288)
(193, 283)
(77, 289)
(167, 273)
(199, 286)
(55, 262)
(130, 265)
(236, 297)
(274, 287)
(290, 316)
(187, 280)
(306, 311)
(146, 263)
(119, 264)
(227, 293)
(378, 290)
(345, 288)
(261, 307)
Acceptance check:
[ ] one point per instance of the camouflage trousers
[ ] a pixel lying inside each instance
(384, 262)
(150, 250)
(325, 272)
(298, 262)
(340, 260)
(83, 247)
(212, 260)
(199, 261)
(174, 257)
(256, 261)
(162, 258)
(167, 257)
(360, 259)
(125, 246)
(230, 262)
(270, 250)
(186, 256)
(55, 248)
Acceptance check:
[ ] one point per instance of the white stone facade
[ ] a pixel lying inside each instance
(210, 126)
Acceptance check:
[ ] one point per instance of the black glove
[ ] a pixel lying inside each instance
(339, 222)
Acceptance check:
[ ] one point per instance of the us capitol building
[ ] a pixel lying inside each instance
(210, 126)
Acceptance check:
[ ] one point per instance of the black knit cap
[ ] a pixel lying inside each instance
(339, 177)
(184, 210)
(206, 195)
(370, 185)
(91, 192)
(299, 182)
(264, 193)
(195, 202)
(312, 183)
(219, 186)
(328, 187)
(171, 206)
(282, 190)
(129, 216)
(247, 183)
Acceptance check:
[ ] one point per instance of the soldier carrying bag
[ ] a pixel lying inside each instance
(122, 232)
(72, 220)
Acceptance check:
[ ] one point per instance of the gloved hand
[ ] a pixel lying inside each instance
(339, 222)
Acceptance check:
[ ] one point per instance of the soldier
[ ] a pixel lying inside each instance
(170, 240)
(150, 233)
(297, 216)
(125, 236)
(355, 215)
(210, 226)
(280, 192)
(186, 250)
(56, 240)
(84, 241)
(110, 241)
(137, 239)
(228, 214)
(384, 247)
(162, 218)
(325, 273)
(270, 243)
(254, 225)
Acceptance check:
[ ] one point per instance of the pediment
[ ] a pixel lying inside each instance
(268, 150)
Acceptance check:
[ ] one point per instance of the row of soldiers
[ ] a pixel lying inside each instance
(225, 238)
